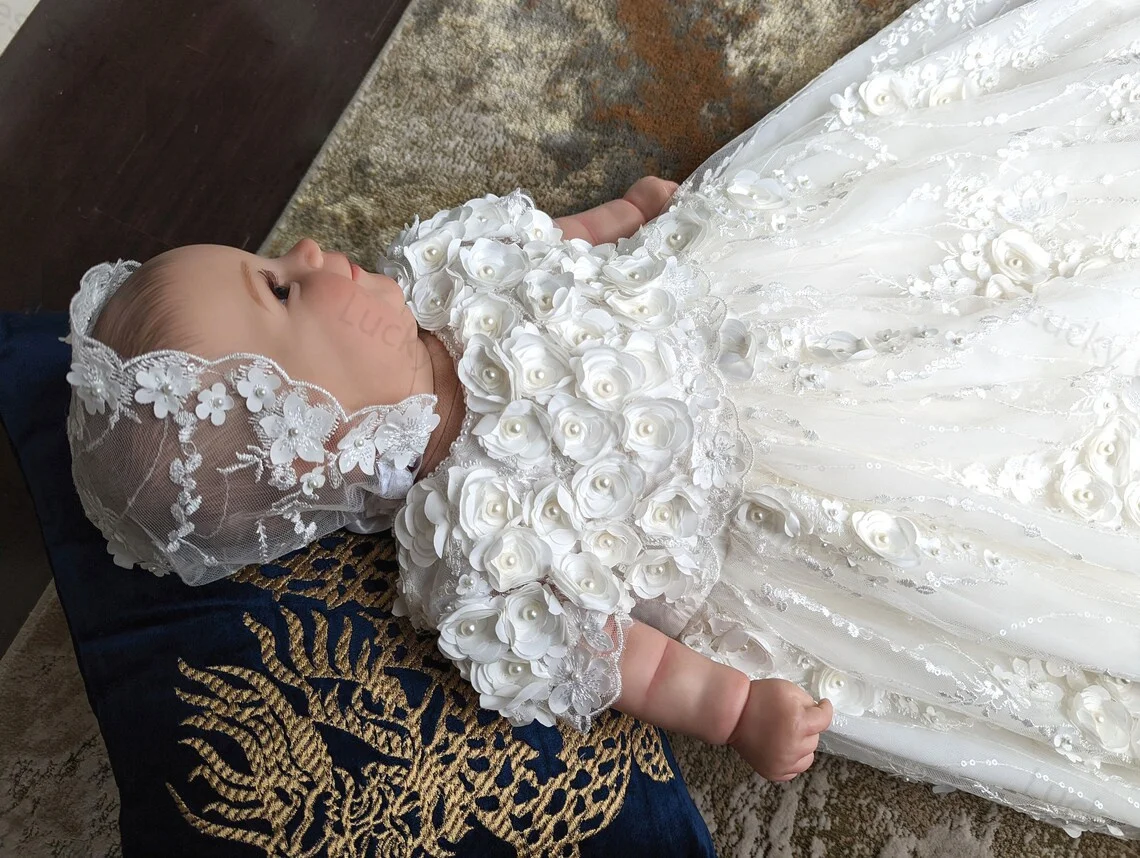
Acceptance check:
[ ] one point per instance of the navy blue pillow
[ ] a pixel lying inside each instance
(285, 711)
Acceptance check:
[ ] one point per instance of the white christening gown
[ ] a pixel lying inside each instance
(930, 262)
(935, 247)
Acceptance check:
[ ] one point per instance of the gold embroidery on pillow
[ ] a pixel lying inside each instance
(440, 765)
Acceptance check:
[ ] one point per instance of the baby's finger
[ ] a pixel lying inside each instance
(818, 718)
(794, 697)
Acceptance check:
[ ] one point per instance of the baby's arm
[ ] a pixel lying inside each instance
(645, 199)
(772, 723)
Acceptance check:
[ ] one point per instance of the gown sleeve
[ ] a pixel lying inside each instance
(540, 640)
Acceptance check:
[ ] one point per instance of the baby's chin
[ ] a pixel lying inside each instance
(376, 282)
(381, 284)
(375, 277)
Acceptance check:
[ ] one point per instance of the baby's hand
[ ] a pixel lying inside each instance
(645, 199)
(779, 728)
(651, 195)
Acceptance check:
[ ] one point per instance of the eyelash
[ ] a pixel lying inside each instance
(274, 285)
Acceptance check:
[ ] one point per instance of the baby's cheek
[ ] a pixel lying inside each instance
(354, 315)
(381, 326)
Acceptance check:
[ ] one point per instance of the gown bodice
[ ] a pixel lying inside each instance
(599, 458)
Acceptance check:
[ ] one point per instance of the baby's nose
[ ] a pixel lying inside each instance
(309, 251)
(338, 263)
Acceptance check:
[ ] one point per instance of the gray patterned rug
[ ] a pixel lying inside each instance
(572, 100)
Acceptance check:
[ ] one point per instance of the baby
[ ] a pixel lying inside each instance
(321, 318)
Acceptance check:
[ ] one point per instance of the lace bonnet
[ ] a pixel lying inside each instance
(202, 467)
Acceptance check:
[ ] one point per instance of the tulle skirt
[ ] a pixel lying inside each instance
(934, 250)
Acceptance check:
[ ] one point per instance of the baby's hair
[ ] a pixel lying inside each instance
(140, 316)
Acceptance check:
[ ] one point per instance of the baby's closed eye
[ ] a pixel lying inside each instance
(280, 292)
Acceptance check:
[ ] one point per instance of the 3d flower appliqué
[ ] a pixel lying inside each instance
(164, 387)
(892, 537)
(96, 385)
(298, 432)
(259, 389)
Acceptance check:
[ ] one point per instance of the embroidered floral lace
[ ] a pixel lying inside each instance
(203, 467)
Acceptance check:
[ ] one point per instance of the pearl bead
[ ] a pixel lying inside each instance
(496, 508)
(468, 628)
(540, 374)
(573, 429)
(1110, 448)
(881, 98)
(488, 321)
(644, 427)
(606, 387)
(293, 431)
(655, 569)
(675, 239)
(515, 427)
(1099, 718)
(662, 514)
(435, 302)
(839, 683)
(607, 541)
(166, 387)
(635, 275)
(879, 539)
(259, 392)
(510, 561)
(588, 584)
(530, 614)
(756, 515)
(515, 669)
(218, 402)
(431, 252)
(359, 442)
(1085, 494)
(486, 270)
(1015, 262)
(551, 511)
(602, 482)
(491, 374)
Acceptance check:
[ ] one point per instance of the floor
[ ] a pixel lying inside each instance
(13, 13)
(130, 127)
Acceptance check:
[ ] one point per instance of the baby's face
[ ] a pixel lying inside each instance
(353, 336)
